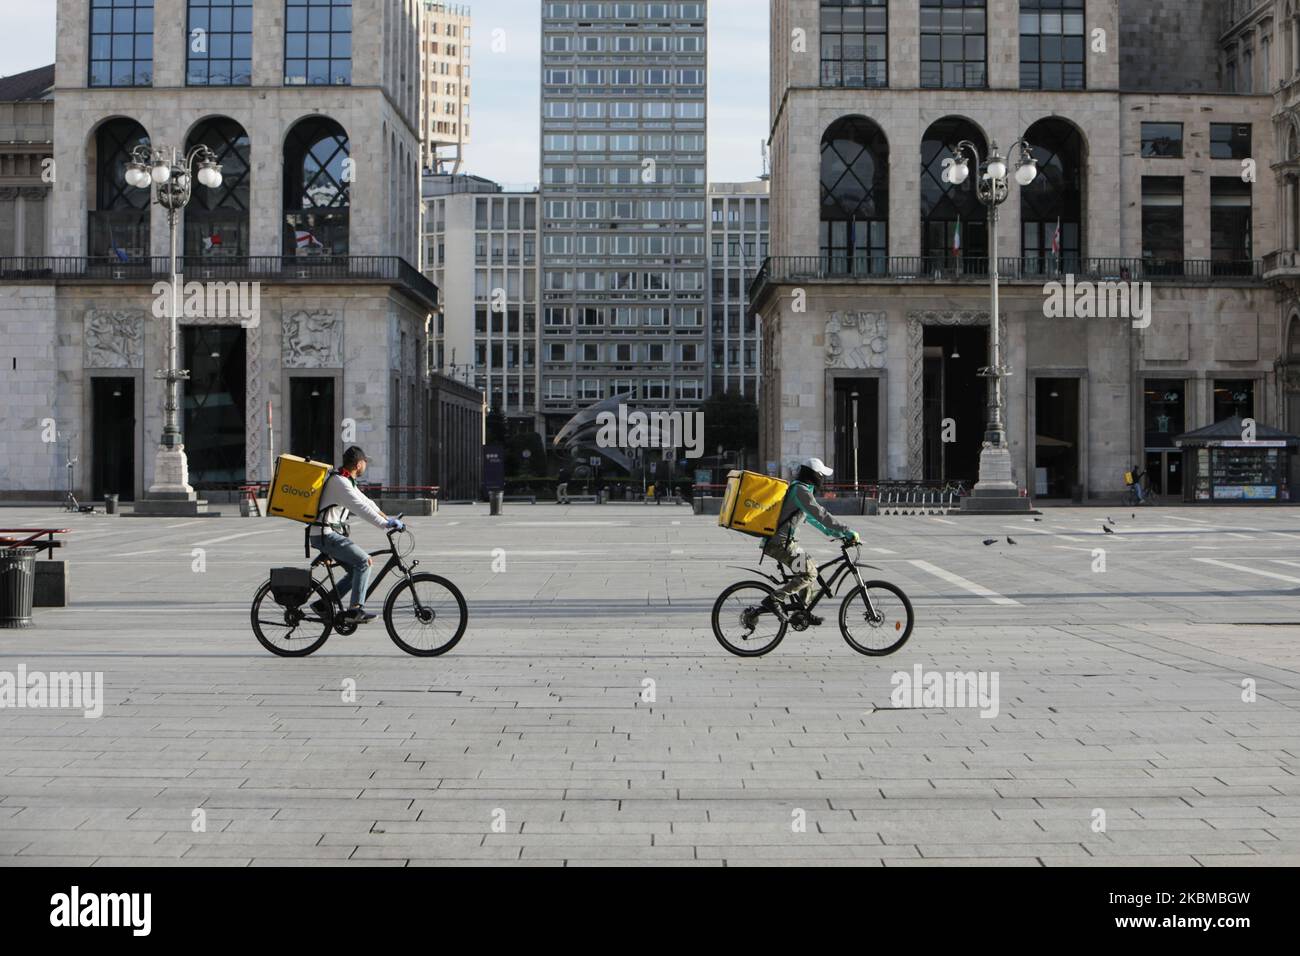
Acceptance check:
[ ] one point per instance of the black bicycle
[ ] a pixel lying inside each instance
(425, 614)
(875, 616)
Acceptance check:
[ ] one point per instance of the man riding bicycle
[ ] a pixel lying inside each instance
(339, 499)
(801, 503)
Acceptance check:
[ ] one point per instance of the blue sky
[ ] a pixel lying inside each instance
(505, 93)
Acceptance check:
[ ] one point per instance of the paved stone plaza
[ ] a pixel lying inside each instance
(530, 743)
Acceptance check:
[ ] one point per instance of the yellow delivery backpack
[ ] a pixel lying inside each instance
(296, 488)
(752, 503)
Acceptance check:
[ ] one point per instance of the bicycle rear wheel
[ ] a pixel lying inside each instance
(740, 626)
(425, 615)
(880, 626)
(290, 632)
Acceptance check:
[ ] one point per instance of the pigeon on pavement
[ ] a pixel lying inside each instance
(989, 541)
(1107, 530)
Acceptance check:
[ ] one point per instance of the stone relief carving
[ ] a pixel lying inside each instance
(856, 340)
(113, 338)
(312, 339)
(8, 192)
(917, 320)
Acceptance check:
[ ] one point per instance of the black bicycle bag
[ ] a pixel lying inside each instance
(291, 586)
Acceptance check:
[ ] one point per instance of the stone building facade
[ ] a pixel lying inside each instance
(445, 82)
(314, 235)
(26, 147)
(877, 288)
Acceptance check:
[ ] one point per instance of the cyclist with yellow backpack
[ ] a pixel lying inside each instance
(800, 504)
(340, 498)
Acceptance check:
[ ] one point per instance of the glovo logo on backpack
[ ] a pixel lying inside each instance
(752, 503)
(296, 488)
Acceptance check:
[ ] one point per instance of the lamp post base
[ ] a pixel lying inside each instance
(170, 495)
(996, 491)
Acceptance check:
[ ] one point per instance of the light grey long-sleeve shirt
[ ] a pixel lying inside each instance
(801, 504)
(342, 497)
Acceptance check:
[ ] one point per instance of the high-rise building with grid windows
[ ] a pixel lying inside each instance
(444, 78)
(624, 195)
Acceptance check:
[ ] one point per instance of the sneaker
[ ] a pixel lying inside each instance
(772, 606)
(358, 615)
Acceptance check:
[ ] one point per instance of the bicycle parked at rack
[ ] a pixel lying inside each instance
(875, 617)
(425, 614)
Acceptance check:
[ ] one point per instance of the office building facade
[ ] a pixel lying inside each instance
(1152, 170)
(444, 85)
(738, 246)
(482, 251)
(624, 198)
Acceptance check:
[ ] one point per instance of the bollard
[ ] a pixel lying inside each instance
(495, 499)
(110, 504)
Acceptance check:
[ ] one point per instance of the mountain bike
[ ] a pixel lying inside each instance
(425, 614)
(875, 617)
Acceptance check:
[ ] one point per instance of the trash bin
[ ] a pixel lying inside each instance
(110, 504)
(1076, 494)
(17, 586)
(495, 498)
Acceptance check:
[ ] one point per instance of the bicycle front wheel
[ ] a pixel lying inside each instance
(425, 615)
(287, 631)
(741, 626)
(876, 618)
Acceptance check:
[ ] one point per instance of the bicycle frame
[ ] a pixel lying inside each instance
(826, 588)
(394, 561)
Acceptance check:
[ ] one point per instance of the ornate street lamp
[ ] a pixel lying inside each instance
(996, 490)
(170, 174)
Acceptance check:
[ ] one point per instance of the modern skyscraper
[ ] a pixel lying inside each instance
(623, 179)
(444, 80)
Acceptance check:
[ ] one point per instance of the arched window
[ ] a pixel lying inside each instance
(119, 221)
(855, 196)
(317, 177)
(216, 220)
(1051, 207)
(954, 223)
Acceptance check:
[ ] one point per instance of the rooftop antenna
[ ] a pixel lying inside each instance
(767, 172)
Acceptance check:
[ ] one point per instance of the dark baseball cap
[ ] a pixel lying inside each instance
(353, 455)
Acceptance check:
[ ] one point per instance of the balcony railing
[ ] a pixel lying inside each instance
(945, 269)
(311, 269)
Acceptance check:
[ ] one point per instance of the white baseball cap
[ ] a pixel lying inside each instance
(819, 466)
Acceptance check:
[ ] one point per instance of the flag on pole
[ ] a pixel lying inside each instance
(305, 239)
(956, 239)
(1056, 239)
(116, 250)
(212, 242)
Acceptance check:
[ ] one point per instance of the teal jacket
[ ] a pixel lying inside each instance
(801, 504)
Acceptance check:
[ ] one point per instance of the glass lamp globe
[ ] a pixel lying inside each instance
(997, 168)
(161, 173)
(958, 173)
(1027, 173)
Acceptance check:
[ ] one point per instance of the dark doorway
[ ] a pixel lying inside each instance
(112, 450)
(215, 404)
(1164, 419)
(864, 395)
(311, 418)
(1056, 444)
(953, 389)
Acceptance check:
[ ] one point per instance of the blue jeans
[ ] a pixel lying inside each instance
(357, 562)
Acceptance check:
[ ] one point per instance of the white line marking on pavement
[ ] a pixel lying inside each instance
(942, 520)
(882, 551)
(132, 554)
(1021, 529)
(232, 537)
(1233, 534)
(452, 524)
(566, 524)
(168, 527)
(959, 581)
(1181, 518)
(1241, 567)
